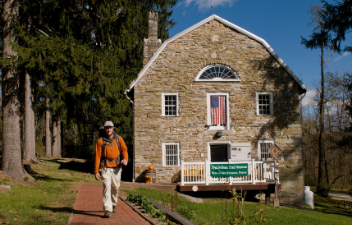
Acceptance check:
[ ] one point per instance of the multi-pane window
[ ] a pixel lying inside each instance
(171, 154)
(264, 147)
(218, 111)
(217, 72)
(170, 104)
(264, 104)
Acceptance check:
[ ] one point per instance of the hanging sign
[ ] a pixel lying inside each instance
(275, 151)
(229, 170)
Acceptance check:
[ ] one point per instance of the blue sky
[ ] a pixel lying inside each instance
(281, 23)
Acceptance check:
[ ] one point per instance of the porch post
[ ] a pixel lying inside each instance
(182, 175)
(207, 172)
(253, 172)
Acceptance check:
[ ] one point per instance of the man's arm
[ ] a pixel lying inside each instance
(98, 150)
(123, 151)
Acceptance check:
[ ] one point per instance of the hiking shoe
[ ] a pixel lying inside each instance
(107, 214)
(114, 209)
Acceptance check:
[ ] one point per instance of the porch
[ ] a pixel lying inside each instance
(248, 175)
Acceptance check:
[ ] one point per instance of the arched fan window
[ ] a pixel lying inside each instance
(217, 72)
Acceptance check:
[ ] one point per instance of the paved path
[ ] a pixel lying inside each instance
(89, 209)
(341, 195)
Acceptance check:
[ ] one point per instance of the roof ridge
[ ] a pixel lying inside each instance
(229, 24)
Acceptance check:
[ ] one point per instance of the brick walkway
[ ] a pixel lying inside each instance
(89, 209)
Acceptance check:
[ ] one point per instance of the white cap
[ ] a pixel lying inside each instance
(108, 124)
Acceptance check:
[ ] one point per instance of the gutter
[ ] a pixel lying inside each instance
(133, 160)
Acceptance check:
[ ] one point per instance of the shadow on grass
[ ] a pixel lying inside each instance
(57, 209)
(74, 165)
(43, 177)
(327, 205)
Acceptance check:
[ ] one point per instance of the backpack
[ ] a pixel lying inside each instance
(105, 161)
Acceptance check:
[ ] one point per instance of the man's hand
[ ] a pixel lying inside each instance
(124, 162)
(97, 176)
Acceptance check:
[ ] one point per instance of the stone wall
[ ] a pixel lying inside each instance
(151, 45)
(175, 70)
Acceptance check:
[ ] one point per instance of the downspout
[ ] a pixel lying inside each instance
(133, 160)
(300, 100)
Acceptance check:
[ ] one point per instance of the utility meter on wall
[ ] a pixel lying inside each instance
(240, 151)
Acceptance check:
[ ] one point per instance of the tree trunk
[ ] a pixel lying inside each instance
(47, 130)
(58, 137)
(29, 129)
(321, 125)
(11, 136)
(55, 137)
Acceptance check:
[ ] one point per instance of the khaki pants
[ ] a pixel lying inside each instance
(111, 182)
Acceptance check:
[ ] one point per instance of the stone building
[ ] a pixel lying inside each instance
(210, 87)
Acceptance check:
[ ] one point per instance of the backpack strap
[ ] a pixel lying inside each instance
(107, 142)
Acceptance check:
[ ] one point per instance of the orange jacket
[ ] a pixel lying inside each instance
(110, 152)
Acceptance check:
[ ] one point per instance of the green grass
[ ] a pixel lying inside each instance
(211, 211)
(50, 199)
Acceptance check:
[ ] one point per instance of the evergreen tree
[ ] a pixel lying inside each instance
(11, 138)
(338, 20)
(320, 39)
(83, 54)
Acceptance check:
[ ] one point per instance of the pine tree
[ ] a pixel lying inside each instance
(320, 39)
(11, 138)
(83, 54)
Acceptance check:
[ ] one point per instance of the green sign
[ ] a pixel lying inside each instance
(228, 170)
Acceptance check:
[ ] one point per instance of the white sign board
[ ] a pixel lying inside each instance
(240, 151)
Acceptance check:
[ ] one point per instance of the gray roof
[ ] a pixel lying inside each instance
(229, 24)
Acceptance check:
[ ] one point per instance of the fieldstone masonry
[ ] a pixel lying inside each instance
(151, 45)
(175, 70)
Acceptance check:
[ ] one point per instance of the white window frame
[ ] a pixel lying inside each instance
(259, 149)
(227, 127)
(164, 154)
(163, 103)
(217, 79)
(228, 143)
(270, 102)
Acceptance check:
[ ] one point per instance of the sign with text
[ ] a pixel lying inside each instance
(229, 170)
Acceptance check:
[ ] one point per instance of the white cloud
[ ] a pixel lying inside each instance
(345, 54)
(206, 4)
(308, 100)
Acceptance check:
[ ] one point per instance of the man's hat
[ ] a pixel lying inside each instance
(108, 124)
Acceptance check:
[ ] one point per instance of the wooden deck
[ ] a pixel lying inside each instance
(264, 187)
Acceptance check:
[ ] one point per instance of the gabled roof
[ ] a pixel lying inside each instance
(231, 25)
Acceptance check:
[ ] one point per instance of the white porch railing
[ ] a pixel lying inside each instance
(199, 173)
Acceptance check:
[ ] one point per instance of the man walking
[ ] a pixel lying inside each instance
(108, 152)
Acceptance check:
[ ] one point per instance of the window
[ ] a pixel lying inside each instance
(170, 104)
(171, 154)
(218, 111)
(264, 103)
(263, 149)
(217, 72)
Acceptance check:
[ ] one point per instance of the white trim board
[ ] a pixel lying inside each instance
(229, 24)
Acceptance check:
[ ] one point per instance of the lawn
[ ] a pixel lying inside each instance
(212, 211)
(50, 199)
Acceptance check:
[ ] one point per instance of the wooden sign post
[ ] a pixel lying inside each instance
(275, 151)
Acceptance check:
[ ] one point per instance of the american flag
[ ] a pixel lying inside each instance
(218, 110)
